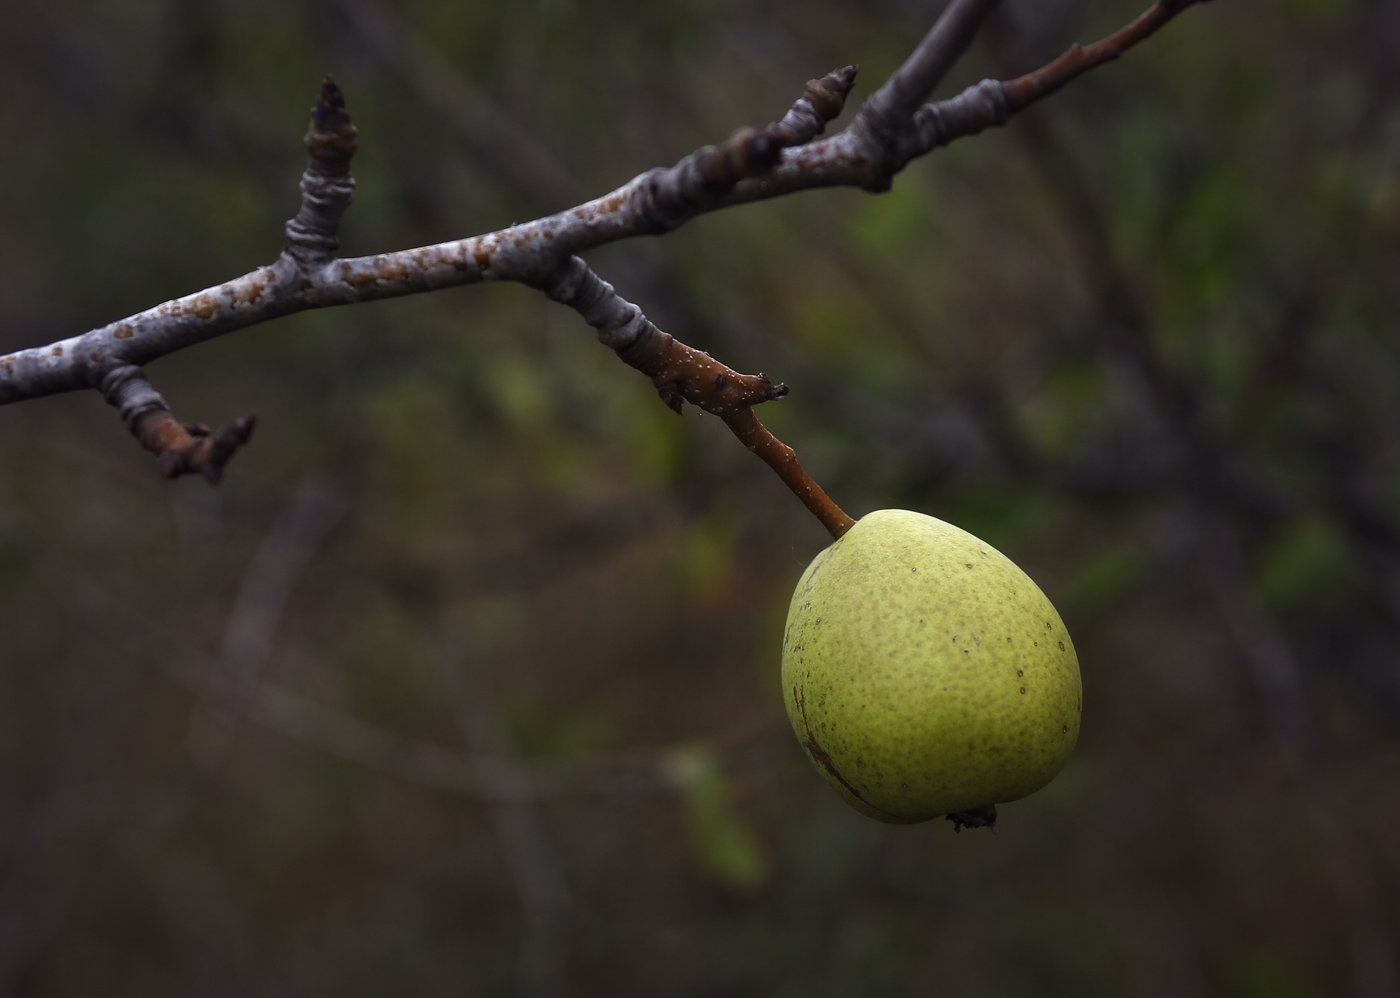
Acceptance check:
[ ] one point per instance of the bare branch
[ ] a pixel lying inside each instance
(780, 159)
(514, 155)
(1030, 88)
(652, 203)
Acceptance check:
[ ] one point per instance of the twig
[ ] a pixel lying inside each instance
(180, 448)
(1028, 89)
(326, 186)
(514, 155)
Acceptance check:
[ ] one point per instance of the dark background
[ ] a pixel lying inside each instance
(465, 681)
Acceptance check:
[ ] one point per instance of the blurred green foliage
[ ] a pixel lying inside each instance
(723, 843)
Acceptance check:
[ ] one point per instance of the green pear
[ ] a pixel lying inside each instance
(925, 674)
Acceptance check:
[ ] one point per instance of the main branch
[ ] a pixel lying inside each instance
(892, 129)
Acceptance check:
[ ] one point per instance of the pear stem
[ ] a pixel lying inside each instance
(783, 460)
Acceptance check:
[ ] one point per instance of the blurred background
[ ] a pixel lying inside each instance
(465, 682)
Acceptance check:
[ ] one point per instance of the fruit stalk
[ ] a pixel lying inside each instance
(783, 460)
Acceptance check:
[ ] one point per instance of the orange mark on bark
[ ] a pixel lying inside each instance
(611, 203)
(250, 291)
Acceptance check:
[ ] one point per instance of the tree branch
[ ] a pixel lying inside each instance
(886, 115)
(889, 132)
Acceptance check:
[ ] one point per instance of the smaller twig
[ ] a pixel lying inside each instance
(326, 190)
(683, 374)
(326, 186)
(1081, 58)
(675, 192)
(749, 153)
(821, 103)
(992, 102)
(180, 448)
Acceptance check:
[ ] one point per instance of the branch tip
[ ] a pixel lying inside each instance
(828, 94)
(1079, 59)
(180, 448)
(331, 102)
(326, 186)
(190, 448)
(332, 138)
(750, 152)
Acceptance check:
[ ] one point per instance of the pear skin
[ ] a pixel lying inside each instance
(925, 674)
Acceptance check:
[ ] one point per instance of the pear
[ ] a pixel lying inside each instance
(925, 674)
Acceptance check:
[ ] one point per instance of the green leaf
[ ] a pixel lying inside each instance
(723, 842)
